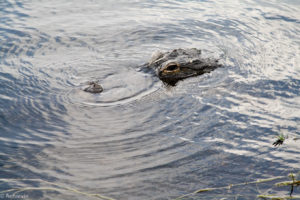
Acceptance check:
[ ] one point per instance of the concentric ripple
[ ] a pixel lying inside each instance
(140, 139)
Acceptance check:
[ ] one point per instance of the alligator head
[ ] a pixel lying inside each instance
(172, 66)
(179, 64)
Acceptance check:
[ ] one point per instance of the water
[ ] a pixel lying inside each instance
(140, 139)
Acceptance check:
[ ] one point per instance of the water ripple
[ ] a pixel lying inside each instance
(140, 139)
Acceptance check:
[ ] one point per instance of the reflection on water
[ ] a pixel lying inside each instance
(140, 139)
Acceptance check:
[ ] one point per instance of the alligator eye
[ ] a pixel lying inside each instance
(171, 68)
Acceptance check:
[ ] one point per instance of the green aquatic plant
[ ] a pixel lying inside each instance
(296, 138)
(271, 197)
(293, 183)
(229, 186)
(280, 139)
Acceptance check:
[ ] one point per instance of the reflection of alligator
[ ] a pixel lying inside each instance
(173, 66)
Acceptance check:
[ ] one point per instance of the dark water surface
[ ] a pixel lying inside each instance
(140, 139)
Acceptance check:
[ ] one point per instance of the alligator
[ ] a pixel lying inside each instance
(172, 66)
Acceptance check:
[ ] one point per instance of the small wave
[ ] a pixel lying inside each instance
(121, 87)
